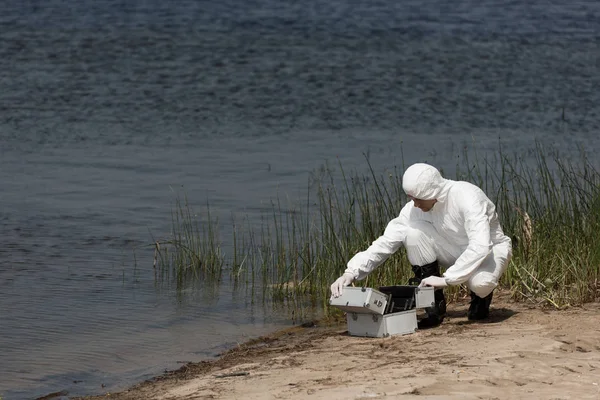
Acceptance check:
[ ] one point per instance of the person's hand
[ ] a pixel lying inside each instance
(435, 281)
(338, 285)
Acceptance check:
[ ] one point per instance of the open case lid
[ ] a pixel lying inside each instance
(420, 297)
(361, 300)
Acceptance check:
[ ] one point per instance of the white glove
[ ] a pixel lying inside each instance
(338, 285)
(435, 281)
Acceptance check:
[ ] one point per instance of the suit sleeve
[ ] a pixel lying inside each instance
(364, 262)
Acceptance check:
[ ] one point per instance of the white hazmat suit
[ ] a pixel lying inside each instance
(461, 232)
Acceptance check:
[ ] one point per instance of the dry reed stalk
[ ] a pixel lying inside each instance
(526, 230)
(156, 250)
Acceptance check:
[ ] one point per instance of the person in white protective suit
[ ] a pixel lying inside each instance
(451, 224)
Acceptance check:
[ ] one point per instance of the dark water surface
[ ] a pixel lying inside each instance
(109, 108)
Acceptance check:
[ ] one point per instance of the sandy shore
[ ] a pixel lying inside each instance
(521, 352)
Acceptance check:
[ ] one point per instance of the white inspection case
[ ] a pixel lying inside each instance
(374, 325)
(391, 310)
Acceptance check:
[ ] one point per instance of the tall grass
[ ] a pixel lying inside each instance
(193, 249)
(549, 206)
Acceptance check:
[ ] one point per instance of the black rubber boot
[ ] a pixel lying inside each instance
(435, 314)
(480, 307)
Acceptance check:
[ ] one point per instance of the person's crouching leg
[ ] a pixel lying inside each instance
(480, 307)
(485, 280)
(482, 287)
(435, 314)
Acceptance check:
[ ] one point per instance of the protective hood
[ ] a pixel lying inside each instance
(423, 182)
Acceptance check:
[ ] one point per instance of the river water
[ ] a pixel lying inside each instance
(108, 109)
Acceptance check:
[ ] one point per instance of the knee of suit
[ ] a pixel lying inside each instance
(482, 283)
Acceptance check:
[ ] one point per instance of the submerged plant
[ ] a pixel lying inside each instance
(193, 250)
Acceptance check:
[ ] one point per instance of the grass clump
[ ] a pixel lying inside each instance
(193, 250)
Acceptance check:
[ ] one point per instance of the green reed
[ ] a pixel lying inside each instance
(193, 249)
(550, 208)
